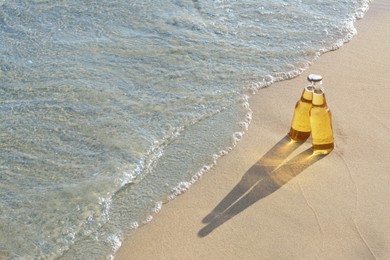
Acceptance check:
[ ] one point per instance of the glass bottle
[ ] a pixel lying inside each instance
(300, 125)
(321, 123)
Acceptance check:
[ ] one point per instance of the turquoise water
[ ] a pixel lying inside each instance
(111, 108)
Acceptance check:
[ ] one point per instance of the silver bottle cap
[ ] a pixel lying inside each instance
(314, 78)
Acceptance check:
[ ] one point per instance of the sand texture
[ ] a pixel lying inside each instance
(269, 198)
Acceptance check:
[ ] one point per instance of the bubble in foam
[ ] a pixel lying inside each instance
(148, 219)
(134, 225)
(206, 168)
(244, 125)
(245, 105)
(237, 136)
(248, 117)
(194, 178)
(222, 153)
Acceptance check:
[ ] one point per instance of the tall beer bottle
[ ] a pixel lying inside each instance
(321, 122)
(300, 126)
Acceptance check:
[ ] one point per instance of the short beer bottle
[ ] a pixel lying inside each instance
(300, 126)
(321, 123)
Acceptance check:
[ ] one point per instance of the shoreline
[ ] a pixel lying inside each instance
(329, 207)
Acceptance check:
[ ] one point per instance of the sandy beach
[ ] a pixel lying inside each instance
(269, 198)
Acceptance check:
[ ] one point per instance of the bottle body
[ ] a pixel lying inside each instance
(300, 126)
(321, 124)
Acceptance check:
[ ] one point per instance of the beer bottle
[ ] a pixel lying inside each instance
(321, 122)
(300, 126)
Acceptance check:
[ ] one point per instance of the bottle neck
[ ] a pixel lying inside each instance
(319, 98)
(307, 94)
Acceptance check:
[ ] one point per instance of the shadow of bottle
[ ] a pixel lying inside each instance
(261, 180)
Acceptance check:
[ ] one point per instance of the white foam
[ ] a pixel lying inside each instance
(148, 219)
(134, 225)
(179, 189)
(248, 115)
(155, 210)
(105, 203)
(244, 125)
(349, 27)
(115, 242)
(128, 177)
(157, 207)
(129, 174)
(222, 153)
(149, 160)
(269, 78)
(360, 12)
(185, 185)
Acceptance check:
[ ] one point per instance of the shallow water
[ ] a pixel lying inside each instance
(110, 108)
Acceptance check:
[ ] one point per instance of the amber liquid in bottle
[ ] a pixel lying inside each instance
(300, 126)
(321, 124)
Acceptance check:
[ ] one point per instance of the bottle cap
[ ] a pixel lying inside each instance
(314, 78)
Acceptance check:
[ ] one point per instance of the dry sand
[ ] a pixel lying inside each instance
(334, 207)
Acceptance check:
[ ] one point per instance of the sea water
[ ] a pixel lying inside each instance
(108, 109)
